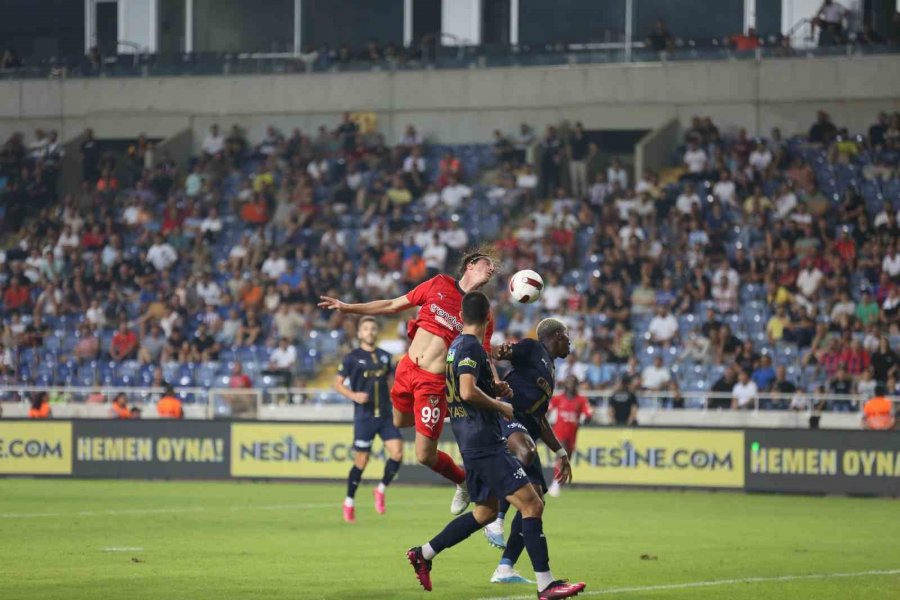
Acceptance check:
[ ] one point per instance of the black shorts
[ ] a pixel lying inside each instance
(534, 470)
(365, 430)
(496, 475)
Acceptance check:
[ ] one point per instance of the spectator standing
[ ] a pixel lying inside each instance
(878, 412)
(622, 409)
(214, 143)
(578, 152)
(660, 38)
(40, 407)
(169, 406)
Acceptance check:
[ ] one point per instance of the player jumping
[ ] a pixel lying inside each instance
(532, 380)
(571, 410)
(491, 471)
(418, 393)
(368, 369)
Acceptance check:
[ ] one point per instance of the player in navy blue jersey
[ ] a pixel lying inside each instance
(491, 470)
(532, 379)
(364, 377)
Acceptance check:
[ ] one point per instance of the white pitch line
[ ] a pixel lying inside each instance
(180, 510)
(714, 583)
(122, 549)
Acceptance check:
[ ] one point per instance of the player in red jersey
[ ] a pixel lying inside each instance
(418, 394)
(570, 410)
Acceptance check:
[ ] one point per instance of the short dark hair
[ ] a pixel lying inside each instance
(475, 308)
(367, 319)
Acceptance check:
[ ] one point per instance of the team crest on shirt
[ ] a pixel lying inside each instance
(434, 400)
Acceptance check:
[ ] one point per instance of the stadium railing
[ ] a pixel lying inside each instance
(319, 404)
(253, 63)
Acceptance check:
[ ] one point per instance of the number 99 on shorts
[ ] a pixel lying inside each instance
(430, 415)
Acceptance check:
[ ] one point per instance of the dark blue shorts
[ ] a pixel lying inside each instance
(534, 471)
(365, 430)
(496, 475)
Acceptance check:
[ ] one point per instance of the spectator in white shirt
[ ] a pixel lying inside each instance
(527, 180)
(283, 358)
(274, 266)
(695, 159)
(632, 230)
(211, 225)
(599, 190)
(161, 255)
(809, 279)
(724, 189)
(663, 327)
(435, 255)
(411, 137)
(454, 193)
(616, 172)
(890, 264)
(744, 393)
(554, 293)
(656, 377)
(785, 202)
(208, 290)
(571, 367)
(687, 200)
(844, 306)
(455, 237)
(760, 158)
(214, 142)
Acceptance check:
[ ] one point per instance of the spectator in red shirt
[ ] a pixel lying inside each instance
(855, 359)
(448, 166)
(745, 42)
(846, 246)
(239, 379)
(124, 343)
(93, 240)
(16, 295)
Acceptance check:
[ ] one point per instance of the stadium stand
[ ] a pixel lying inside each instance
(764, 253)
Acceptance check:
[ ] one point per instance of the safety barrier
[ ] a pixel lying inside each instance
(765, 460)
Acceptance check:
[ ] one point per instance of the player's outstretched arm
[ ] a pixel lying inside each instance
(373, 308)
(471, 393)
(549, 438)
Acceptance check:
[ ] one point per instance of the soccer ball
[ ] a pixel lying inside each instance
(526, 286)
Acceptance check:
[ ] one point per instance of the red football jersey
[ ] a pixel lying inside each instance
(569, 412)
(440, 302)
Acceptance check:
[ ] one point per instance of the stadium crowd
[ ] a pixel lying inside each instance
(771, 265)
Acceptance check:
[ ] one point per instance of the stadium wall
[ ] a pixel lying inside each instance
(816, 462)
(456, 106)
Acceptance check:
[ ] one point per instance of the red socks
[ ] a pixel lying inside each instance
(445, 467)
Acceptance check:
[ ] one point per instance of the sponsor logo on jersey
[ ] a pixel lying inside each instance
(468, 362)
(446, 319)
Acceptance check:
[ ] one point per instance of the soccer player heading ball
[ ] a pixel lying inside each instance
(418, 394)
(491, 470)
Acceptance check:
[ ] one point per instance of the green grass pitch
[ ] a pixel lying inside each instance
(94, 540)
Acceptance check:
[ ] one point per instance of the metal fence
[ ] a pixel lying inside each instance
(250, 403)
(255, 63)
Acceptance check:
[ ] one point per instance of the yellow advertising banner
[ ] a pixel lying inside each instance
(678, 457)
(36, 448)
(297, 450)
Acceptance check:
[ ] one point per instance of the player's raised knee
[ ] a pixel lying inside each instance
(484, 514)
(533, 507)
